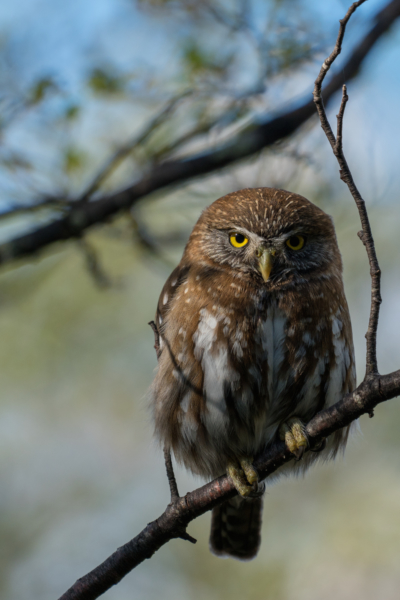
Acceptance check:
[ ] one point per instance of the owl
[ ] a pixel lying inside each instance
(254, 339)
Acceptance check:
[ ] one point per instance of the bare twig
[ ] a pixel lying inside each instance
(326, 65)
(156, 339)
(188, 136)
(173, 487)
(125, 150)
(346, 176)
(100, 277)
(237, 23)
(249, 141)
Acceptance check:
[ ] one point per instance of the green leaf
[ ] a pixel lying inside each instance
(71, 112)
(197, 61)
(40, 89)
(73, 160)
(102, 81)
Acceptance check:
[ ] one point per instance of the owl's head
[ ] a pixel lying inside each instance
(268, 234)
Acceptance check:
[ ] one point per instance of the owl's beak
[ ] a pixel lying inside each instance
(265, 261)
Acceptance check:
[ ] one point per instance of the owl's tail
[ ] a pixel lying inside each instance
(236, 528)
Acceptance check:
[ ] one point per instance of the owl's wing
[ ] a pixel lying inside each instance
(175, 280)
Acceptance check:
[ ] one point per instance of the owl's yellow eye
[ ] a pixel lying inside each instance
(238, 240)
(295, 242)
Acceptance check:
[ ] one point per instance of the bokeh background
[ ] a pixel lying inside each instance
(80, 472)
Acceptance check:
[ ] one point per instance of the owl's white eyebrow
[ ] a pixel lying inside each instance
(249, 234)
(288, 234)
(241, 230)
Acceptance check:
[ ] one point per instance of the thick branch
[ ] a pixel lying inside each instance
(346, 176)
(251, 140)
(173, 522)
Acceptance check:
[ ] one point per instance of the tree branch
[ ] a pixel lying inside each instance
(249, 141)
(173, 487)
(346, 176)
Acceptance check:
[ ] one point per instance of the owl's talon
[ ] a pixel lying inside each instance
(244, 475)
(293, 433)
(258, 491)
(249, 470)
(238, 479)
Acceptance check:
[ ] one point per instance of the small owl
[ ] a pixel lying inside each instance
(255, 339)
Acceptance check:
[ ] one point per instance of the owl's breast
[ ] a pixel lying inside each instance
(258, 366)
(244, 360)
(307, 356)
(270, 350)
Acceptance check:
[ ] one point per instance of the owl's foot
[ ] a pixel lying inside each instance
(245, 477)
(293, 433)
(249, 470)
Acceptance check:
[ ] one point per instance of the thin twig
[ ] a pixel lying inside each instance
(171, 475)
(156, 339)
(346, 176)
(340, 115)
(326, 65)
(100, 277)
(125, 150)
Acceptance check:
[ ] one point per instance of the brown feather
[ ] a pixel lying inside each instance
(236, 528)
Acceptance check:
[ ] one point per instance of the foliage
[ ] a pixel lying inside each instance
(103, 81)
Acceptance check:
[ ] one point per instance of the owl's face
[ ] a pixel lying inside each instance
(268, 234)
